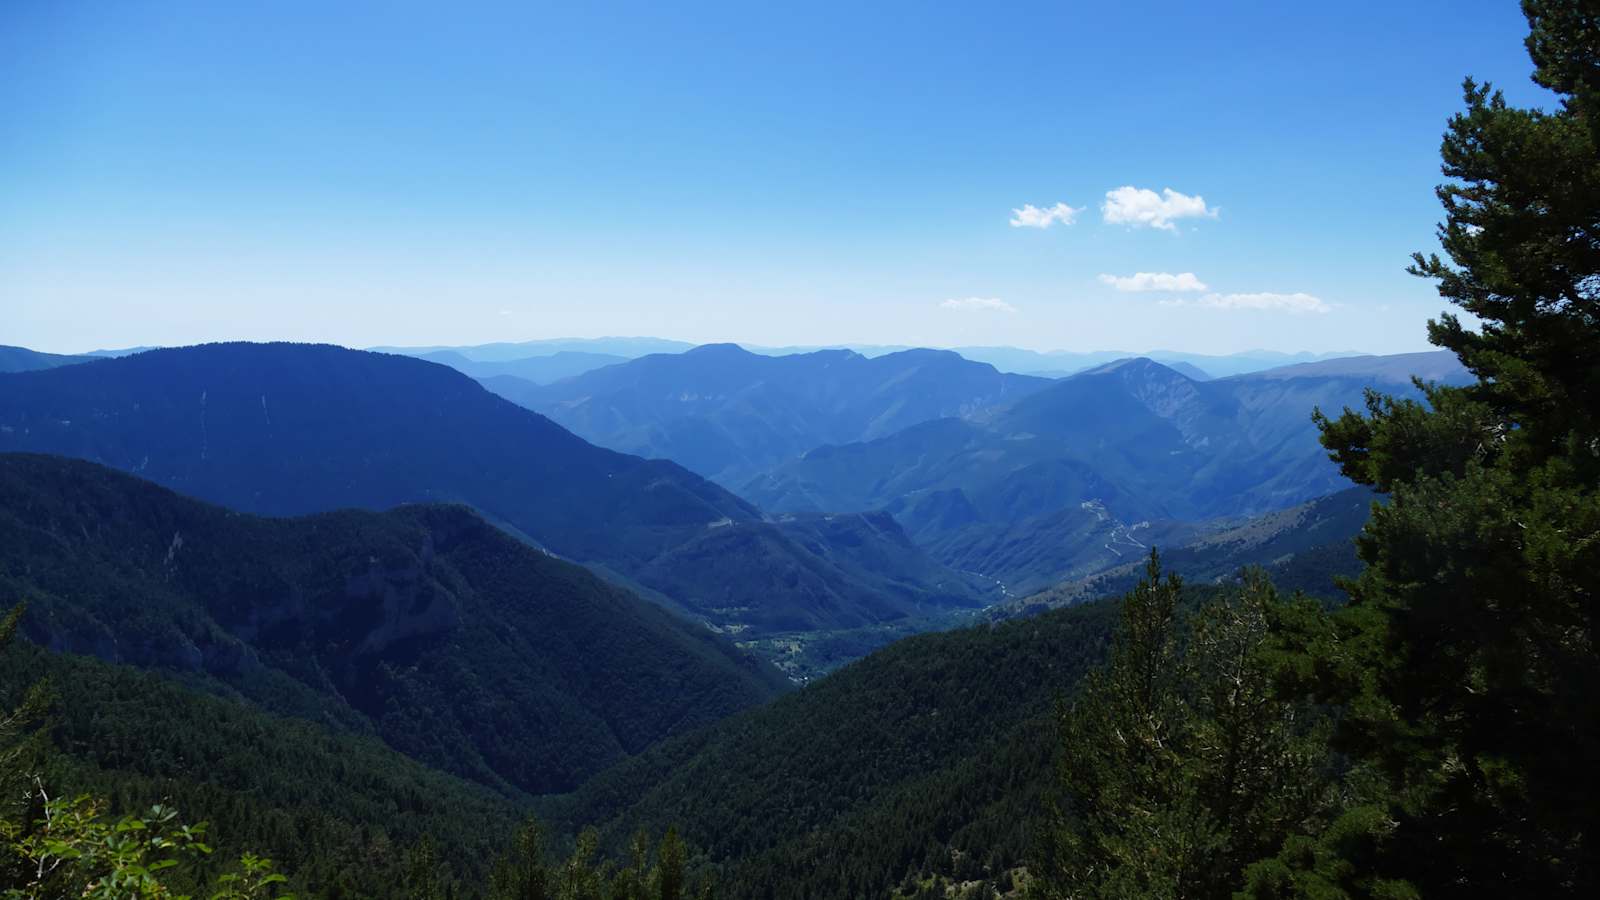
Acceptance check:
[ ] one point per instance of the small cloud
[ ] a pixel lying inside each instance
(1140, 282)
(1144, 208)
(979, 303)
(1290, 303)
(1030, 216)
(505, 312)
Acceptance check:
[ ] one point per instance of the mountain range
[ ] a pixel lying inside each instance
(728, 414)
(1024, 480)
(510, 351)
(537, 369)
(1049, 363)
(283, 429)
(1074, 477)
(457, 644)
(393, 559)
(996, 485)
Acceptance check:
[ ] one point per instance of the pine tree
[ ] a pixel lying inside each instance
(1467, 660)
(668, 878)
(1180, 764)
(1131, 825)
(521, 873)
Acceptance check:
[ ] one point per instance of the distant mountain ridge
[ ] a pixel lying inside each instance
(1015, 360)
(21, 359)
(1435, 365)
(1073, 477)
(505, 351)
(285, 429)
(727, 413)
(537, 369)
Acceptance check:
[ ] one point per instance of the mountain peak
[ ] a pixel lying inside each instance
(928, 354)
(1135, 366)
(724, 350)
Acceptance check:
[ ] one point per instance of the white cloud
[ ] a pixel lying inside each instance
(1144, 208)
(979, 303)
(1154, 281)
(1291, 303)
(1030, 216)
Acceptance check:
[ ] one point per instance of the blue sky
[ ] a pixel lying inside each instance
(427, 173)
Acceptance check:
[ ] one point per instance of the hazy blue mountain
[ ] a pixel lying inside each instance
(21, 359)
(1189, 370)
(728, 413)
(504, 351)
(456, 643)
(1064, 480)
(1436, 365)
(867, 350)
(1060, 363)
(125, 351)
(1014, 360)
(536, 369)
(284, 429)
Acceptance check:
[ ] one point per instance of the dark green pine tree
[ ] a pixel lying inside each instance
(1131, 823)
(668, 880)
(21, 742)
(1180, 764)
(1467, 661)
(21, 751)
(522, 873)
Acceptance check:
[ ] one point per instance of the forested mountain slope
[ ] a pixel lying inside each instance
(455, 643)
(938, 742)
(339, 810)
(284, 429)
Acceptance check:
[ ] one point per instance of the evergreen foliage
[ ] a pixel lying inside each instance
(929, 755)
(1466, 663)
(1180, 765)
(69, 847)
(338, 810)
(454, 642)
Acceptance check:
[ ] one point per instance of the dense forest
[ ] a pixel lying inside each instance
(195, 701)
(449, 639)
